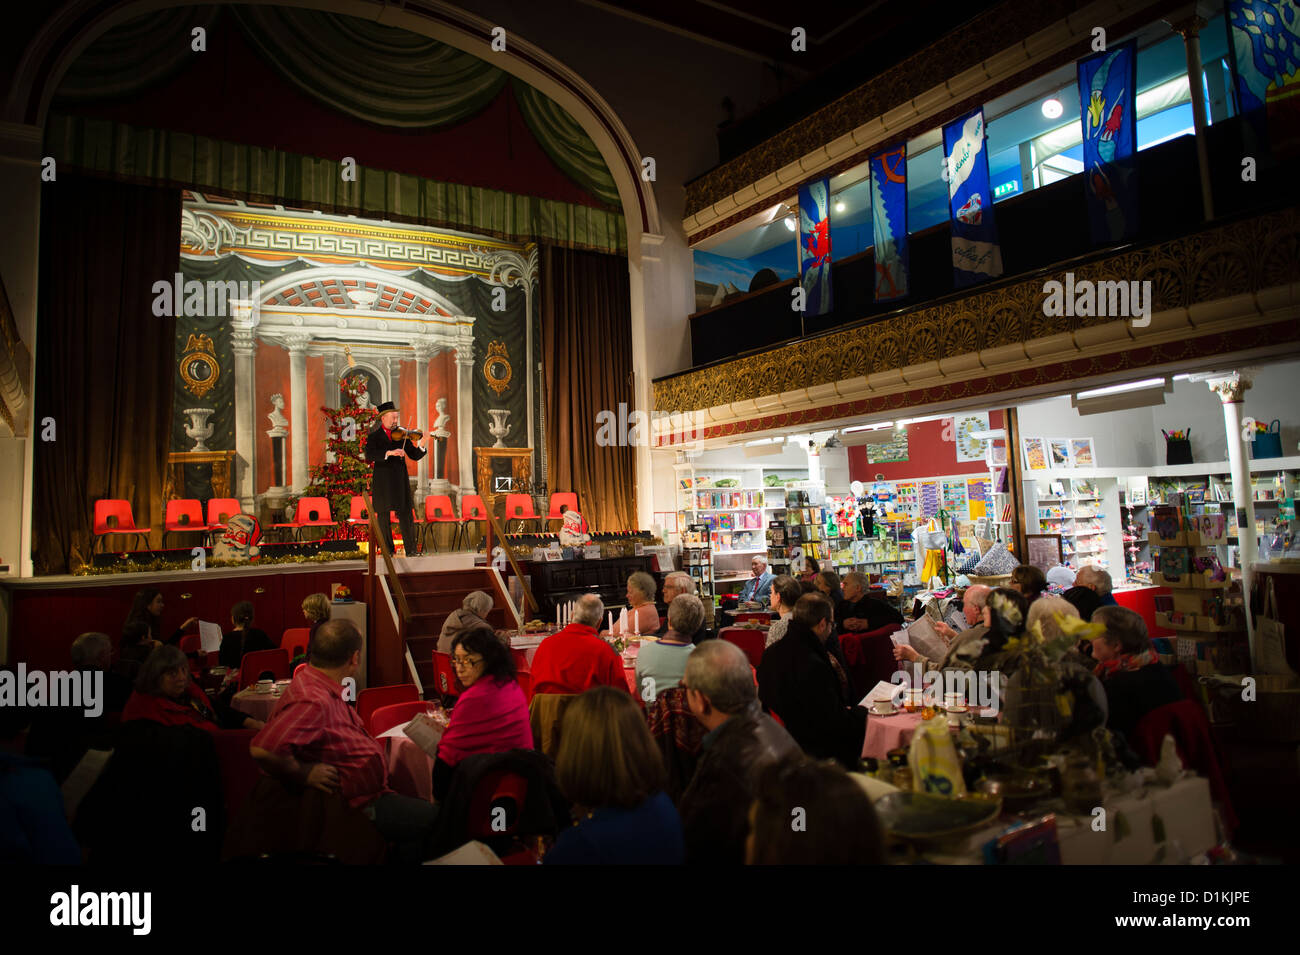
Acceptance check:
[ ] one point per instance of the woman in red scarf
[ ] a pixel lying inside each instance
(165, 694)
(491, 716)
(1135, 680)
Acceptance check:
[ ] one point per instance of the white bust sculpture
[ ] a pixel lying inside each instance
(440, 423)
(279, 423)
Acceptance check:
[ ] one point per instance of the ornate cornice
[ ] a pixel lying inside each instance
(964, 338)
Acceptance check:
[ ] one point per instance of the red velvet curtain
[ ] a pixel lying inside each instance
(587, 368)
(104, 361)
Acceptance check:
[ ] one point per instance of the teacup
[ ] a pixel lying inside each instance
(883, 707)
(954, 701)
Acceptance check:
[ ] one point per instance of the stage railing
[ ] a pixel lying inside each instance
(377, 543)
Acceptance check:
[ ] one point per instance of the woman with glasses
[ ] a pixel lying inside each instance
(491, 716)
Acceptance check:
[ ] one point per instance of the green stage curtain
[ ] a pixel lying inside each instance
(587, 368)
(104, 361)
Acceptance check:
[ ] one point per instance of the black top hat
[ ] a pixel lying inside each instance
(386, 407)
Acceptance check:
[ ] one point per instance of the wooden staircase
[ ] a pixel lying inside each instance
(432, 596)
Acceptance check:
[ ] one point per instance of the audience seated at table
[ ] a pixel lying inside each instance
(165, 693)
(491, 715)
(1135, 680)
(741, 741)
(675, 584)
(1091, 590)
(609, 768)
(575, 659)
(828, 582)
(62, 734)
(810, 571)
(837, 823)
(147, 608)
(964, 647)
(642, 616)
(860, 612)
(1029, 581)
(758, 587)
(243, 637)
(1005, 614)
(786, 592)
(316, 739)
(798, 681)
(315, 611)
(662, 660)
(471, 616)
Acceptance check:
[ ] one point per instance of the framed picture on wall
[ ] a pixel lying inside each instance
(1081, 455)
(1035, 453)
(1059, 449)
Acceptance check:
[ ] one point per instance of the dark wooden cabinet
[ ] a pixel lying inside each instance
(557, 582)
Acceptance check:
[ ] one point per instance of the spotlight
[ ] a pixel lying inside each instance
(1052, 108)
(790, 223)
(840, 206)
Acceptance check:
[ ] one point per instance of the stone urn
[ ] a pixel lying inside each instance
(498, 428)
(198, 430)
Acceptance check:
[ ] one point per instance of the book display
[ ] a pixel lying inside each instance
(1077, 509)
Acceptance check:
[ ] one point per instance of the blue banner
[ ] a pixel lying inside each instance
(1107, 97)
(976, 255)
(1264, 38)
(889, 222)
(815, 246)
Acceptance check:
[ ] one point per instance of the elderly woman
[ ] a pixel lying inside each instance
(1135, 680)
(609, 767)
(663, 661)
(472, 615)
(643, 618)
(1029, 581)
(165, 694)
(491, 716)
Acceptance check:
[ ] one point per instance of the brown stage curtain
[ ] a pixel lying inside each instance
(104, 361)
(587, 368)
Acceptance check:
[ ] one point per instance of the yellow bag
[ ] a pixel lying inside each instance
(933, 758)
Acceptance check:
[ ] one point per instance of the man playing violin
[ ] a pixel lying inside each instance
(388, 447)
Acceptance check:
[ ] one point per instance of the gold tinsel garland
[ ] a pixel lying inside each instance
(157, 566)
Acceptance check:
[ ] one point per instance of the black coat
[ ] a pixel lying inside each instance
(391, 482)
(238, 642)
(877, 613)
(1132, 694)
(796, 681)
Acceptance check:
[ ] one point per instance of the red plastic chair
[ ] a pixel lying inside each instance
(310, 512)
(295, 640)
(500, 789)
(254, 664)
(444, 675)
(395, 714)
(191, 643)
(472, 510)
(1185, 721)
(357, 514)
(753, 642)
(183, 516)
(120, 511)
(221, 510)
(438, 510)
(525, 678)
(372, 699)
(519, 507)
(567, 498)
(411, 545)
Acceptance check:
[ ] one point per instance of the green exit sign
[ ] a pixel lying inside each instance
(1005, 189)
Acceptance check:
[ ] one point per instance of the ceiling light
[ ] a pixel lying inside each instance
(840, 206)
(790, 223)
(880, 426)
(1139, 394)
(1052, 108)
(1120, 389)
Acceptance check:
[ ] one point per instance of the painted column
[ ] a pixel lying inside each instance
(244, 340)
(646, 278)
(1231, 390)
(423, 352)
(465, 412)
(1189, 29)
(297, 346)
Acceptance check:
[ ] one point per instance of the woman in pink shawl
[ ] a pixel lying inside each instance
(491, 716)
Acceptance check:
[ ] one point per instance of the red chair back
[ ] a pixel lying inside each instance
(221, 510)
(502, 789)
(1185, 721)
(191, 643)
(437, 507)
(444, 674)
(312, 512)
(520, 656)
(295, 640)
(525, 678)
(385, 718)
(184, 515)
(111, 508)
(753, 642)
(870, 655)
(519, 507)
(472, 508)
(372, 699)
(561, 497)
(254, 664)
(357, 513)
(753, 616)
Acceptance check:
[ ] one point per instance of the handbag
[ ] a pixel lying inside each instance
(1270, 637)
(931, 537)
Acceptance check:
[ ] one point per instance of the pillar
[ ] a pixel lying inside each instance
(1231, 390)
(1189, 28)
(245, 343)
(297, 346)
(465, 413)
(423, 352)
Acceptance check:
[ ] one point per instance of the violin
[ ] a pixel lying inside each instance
(406, 434)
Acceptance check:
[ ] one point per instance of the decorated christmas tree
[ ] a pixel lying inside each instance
(345, 471)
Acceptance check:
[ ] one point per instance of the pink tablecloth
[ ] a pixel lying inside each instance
(410, 769)
(888, 732)
(256, 705)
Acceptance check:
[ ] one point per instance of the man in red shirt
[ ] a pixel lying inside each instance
(575, 659)
(314, 738)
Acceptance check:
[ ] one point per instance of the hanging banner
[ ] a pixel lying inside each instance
(1107, 94)
(815, 246)
(1264, 38)
(976, 255)
(889, 222)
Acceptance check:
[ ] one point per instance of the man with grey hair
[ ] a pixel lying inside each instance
(964, 648)
(663, 660)
(742, 741)
(859, 611)
(576, 659)
(676, 584)
(759, 586)
(1091, 591)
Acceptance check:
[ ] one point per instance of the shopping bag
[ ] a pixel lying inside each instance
(1270, 638)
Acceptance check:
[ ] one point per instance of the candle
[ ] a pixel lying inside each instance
(557, 614)
(622, 620)
(611, 621)
(636, 623)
